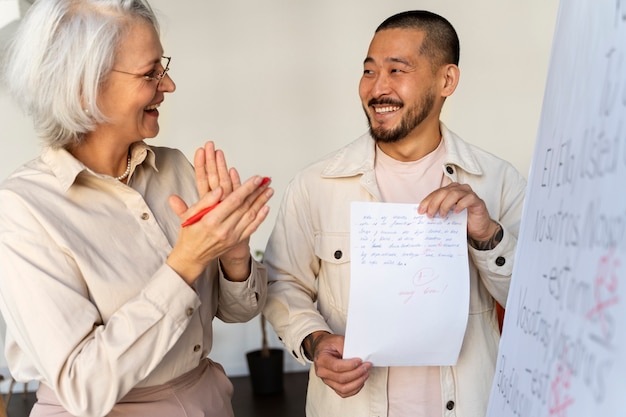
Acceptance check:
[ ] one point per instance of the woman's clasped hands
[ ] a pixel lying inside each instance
(224, 231)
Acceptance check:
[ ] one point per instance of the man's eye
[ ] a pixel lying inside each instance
(396, 70)
(150, 74)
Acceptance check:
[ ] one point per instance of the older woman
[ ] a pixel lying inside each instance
(108, 300)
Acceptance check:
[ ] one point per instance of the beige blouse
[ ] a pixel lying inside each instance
(92, 310)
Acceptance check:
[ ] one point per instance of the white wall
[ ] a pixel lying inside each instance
(274, 83)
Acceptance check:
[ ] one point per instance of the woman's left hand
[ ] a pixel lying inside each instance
(212, 171)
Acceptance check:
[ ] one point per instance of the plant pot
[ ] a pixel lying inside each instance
(266, 371)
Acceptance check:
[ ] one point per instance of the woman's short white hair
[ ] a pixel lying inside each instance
(60, 55)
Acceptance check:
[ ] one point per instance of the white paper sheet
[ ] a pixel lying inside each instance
(409, 286)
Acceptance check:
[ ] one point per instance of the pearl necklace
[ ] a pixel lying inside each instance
(125, 174)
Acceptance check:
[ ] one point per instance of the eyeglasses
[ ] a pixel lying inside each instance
(153, 75)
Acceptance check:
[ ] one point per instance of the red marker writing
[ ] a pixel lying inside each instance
(199, 215)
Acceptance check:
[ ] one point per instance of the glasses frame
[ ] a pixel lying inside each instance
(158, 76)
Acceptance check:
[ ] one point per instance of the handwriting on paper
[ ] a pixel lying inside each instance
(397, 240)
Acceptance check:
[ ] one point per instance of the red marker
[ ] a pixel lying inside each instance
(199, 215)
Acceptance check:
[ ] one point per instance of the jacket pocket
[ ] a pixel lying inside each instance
(333, 250)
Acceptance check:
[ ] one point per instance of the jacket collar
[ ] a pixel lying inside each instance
(459, 152)
(357, 157)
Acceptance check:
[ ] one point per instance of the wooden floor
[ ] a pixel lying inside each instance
(289, 403)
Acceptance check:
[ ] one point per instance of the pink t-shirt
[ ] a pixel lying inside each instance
(412, 390)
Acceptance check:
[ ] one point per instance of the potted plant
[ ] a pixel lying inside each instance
(265, 365)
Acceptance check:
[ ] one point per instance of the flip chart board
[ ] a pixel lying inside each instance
(563, 348)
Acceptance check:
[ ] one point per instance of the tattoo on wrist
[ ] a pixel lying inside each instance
(310, 344)
(489, 244)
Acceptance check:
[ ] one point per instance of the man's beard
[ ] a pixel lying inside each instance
(414, 116)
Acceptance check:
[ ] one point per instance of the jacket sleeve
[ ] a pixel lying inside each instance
(241, 301)
(293, 268)
(505, 203)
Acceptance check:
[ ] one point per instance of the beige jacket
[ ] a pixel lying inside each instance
(308, 261)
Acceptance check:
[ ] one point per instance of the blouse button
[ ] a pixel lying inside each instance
(196, 348)
(338, 254)
(500, 261)
(145, 216)
(189, 312)
(450, 405)
(450, 170)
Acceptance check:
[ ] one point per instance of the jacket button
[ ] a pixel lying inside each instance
(450, 405)
(500, 261)
(196, 348)
(338, 254)
(450, 170)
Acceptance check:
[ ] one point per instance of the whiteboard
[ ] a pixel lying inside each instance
(563, 347)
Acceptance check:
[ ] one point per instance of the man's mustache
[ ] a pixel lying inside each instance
(384, 101)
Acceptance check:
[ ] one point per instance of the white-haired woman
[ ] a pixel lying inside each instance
(108, 300)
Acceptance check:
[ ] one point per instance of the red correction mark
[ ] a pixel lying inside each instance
(605, 292)
(421, 280)
(559, 400)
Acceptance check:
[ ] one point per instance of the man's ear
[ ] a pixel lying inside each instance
(451, 75)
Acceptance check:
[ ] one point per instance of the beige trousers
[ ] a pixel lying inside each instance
(204, 391)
